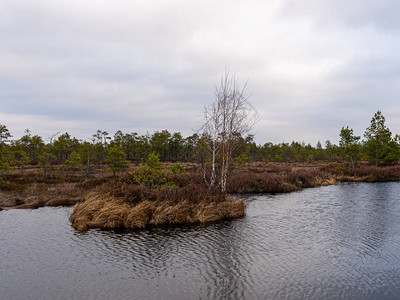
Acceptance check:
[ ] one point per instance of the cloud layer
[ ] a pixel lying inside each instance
(312, 66)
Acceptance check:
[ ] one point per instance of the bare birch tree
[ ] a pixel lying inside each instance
(211, 140)
(225, 119)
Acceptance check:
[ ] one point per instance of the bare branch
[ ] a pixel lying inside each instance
(225, 119)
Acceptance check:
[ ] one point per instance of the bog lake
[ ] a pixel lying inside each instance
(330, 242)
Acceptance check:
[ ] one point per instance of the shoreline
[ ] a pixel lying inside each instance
(109, 202)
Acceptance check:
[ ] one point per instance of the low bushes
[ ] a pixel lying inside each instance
(286, 180)
(258, 183)
(31, 190)
(389, 173)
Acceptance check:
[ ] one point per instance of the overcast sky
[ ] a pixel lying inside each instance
(312, 66)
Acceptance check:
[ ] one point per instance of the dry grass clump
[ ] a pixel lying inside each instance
(106, 211)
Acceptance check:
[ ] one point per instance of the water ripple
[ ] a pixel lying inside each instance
(330, 242)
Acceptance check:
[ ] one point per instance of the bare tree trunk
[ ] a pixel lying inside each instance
(213, 175)
(88, 164)
(226, 118)
(214, 154)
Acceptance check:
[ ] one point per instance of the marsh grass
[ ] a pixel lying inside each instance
(125, 205)
(106, 211)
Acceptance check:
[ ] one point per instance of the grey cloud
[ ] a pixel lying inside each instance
(152, 65)
(383, 15)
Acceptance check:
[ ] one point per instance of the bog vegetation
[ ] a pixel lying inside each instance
(132, 181)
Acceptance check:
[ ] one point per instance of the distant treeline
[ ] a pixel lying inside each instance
(378, 147)
(31, 149)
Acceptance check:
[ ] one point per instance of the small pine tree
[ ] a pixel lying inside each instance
(116, 159)
(74, 160)
(4, 166)
(349, 145)
(151, 174)
(379, 145)
(177, 168)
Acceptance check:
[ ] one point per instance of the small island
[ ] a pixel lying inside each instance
(151, 196)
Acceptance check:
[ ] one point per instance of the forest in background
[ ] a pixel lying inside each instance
(379, 147)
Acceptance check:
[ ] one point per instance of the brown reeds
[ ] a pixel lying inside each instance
(109, 212)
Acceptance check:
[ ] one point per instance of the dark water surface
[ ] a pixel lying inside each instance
(336, 242)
